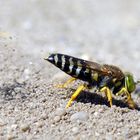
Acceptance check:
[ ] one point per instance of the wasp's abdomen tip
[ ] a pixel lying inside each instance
(50, 58)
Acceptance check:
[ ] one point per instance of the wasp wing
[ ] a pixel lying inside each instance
(104, 70)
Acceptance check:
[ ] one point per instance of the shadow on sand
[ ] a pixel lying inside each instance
(94, 98)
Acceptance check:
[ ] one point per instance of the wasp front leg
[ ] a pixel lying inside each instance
(129, 99)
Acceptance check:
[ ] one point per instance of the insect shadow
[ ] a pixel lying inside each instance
(9, 91)
(94, 98)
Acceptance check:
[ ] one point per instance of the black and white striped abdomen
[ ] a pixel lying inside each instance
(71, 65)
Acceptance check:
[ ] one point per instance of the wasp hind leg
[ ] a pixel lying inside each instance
(108, 93)
(129, 99)
(75, 94)
(66, 83)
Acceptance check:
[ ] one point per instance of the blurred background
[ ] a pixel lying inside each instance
(103, 31)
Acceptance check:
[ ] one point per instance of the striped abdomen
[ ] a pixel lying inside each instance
(71, 66)
(79, 68)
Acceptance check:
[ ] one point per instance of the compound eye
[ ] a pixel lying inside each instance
(130, 83)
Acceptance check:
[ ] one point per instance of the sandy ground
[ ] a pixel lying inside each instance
(31, 107)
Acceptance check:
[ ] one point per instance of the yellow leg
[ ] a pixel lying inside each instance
(75, 94)
(129, 100)
(66, 83)
(123, 91)
(108, 94)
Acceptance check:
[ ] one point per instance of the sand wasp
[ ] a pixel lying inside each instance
(106, 78)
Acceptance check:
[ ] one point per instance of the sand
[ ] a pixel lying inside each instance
(31, 106)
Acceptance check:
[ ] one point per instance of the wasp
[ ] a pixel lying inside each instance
(105, 78)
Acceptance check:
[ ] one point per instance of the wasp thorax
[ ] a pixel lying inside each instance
(129, 82)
